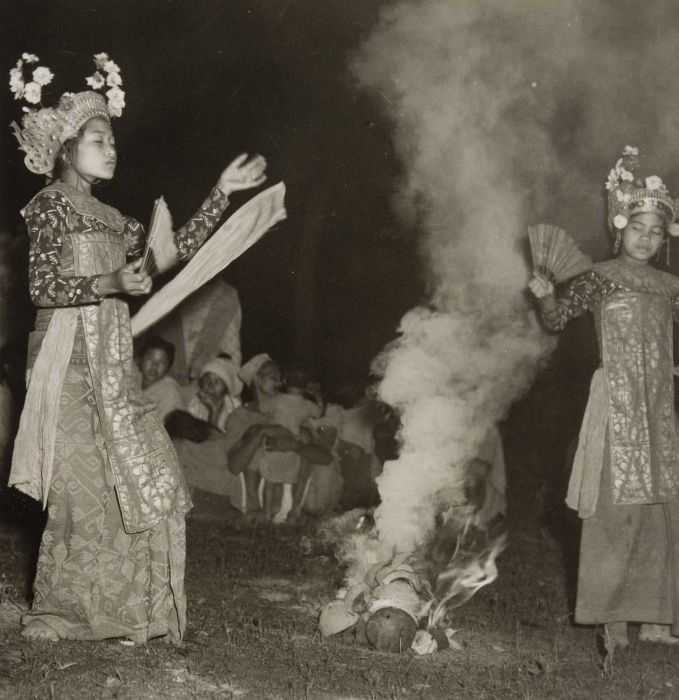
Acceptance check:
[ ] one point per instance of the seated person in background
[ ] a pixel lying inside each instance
(299, 403)
(359, 464)
(486, 481)
(203, 435)
(272, 446)
(157, 385)
(218, 394)
(323, 489)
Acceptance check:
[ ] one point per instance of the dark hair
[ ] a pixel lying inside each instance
(66, 154)
(155, 342)
(297, 376)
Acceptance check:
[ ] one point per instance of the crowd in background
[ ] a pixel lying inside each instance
(262, 435)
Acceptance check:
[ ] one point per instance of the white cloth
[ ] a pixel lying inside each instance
(166, 395)
(241, 230)
(33, 458)
(249, 370)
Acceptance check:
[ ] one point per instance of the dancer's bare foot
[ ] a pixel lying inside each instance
(616, 635)
(657, 633)
(37, 629)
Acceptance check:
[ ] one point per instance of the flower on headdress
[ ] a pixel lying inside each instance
(113, 79)
(612, 181)
(16, 81)
(96, 81)
(33, 93)
(110, 66)
(630, 151)
(108, 74)
(620, 221)
(42, 75)
(654, 183)
(116, 101)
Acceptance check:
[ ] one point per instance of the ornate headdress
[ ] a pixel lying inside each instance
(44, 129)
(628, 195)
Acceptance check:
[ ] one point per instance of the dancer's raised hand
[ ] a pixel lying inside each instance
(243, 174)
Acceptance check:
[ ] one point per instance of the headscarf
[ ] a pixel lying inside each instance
(249, 370)
(227, 371)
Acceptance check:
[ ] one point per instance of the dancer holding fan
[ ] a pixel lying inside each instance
(625, 476)
(556, 256)
(111, 562)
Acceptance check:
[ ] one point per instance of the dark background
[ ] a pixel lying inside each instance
(209, 79)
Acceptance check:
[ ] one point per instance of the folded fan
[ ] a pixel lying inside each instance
(555, 254)
(160, 238)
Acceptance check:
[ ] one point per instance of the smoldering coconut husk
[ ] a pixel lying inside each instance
(391, 629)
(398, 594)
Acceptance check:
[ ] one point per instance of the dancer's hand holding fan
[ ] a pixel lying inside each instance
(556, 257)
(160, 240)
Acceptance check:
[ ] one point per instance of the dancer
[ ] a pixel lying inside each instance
(625, 477)
(111, 561)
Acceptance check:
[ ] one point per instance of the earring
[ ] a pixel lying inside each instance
(618, 242)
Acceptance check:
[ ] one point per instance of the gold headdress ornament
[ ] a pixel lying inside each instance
(628, 195)
(44, 129)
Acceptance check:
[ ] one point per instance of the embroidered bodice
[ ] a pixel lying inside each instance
(587, 291)
(63, 223)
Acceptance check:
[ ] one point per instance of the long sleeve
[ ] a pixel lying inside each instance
(190, 237)
(575, 299)
(46, 221)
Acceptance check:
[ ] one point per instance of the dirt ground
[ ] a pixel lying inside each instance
(254, 597)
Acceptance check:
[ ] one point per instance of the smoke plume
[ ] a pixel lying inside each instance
(505, 113)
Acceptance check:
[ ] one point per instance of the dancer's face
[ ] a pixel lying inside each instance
(642, 237)
(95, 154)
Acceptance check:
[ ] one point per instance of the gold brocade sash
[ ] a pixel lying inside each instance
(148, 478)
(636, 344)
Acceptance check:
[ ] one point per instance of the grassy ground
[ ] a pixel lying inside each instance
(254, 597)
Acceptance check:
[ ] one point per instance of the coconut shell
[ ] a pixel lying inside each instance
(391, 629)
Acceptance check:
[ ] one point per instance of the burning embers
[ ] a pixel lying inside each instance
(405, 602)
